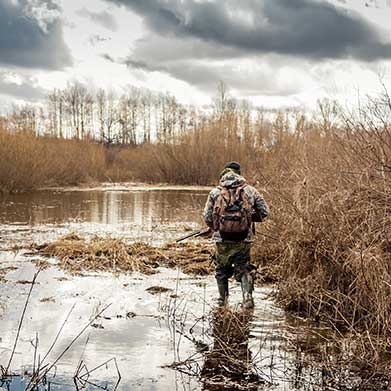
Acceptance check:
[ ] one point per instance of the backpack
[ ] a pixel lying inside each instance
(232, 213)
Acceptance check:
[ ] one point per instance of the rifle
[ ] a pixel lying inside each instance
(195, 234)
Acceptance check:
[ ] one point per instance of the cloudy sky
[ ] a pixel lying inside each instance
(272, 52)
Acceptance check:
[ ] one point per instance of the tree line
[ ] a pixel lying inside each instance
(140, 116)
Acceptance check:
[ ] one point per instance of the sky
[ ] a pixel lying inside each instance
(275, 53)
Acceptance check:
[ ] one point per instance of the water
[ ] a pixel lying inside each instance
(148, 214)
(144, 333)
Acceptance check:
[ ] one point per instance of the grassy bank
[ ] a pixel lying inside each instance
(195, 158)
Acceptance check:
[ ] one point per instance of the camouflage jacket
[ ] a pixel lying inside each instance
(232, 179)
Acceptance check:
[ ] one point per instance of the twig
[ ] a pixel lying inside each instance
(21, 322)
(58, 333)
(68, 347)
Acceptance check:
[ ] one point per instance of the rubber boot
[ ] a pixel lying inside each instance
(247, 290)
(222, 286)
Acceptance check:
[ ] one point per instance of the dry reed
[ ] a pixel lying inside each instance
(328, 240)
(28, 161)
(77, 255)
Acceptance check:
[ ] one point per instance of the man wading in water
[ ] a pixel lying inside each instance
(230, 211)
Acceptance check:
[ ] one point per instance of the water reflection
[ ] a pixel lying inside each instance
(105, 207)
(148, 215)
(228, 363)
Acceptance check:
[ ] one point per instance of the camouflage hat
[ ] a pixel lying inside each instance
(234, 166)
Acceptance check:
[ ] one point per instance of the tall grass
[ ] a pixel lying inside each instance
(28, 161)
(329, 235)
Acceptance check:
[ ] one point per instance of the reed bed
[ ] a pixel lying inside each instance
(28, 161)
(328, 239)
(77, 255)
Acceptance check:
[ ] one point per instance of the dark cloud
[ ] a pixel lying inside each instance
(158, 48)
(31, 35)
(204, 75)
(305, 28)
(197, 74)
(103, 18)
(142, 65)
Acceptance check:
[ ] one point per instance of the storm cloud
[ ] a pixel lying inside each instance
(31, 35)
(265, 78)
(313, 29)
(102, 18)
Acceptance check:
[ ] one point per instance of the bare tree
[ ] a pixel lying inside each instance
(221, 99)
(146, 112)
(55, 112)
(329, 113)
(129, 115)
(78, 105)
(108, 115)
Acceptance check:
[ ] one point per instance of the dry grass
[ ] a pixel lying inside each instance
(28, 162)
(77, 255)
(328, 240)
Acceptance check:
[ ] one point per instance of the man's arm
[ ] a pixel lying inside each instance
(208, 210)
(260, 206)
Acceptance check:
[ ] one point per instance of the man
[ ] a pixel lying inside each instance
(230, 211)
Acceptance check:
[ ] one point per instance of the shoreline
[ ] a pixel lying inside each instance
(124, 186)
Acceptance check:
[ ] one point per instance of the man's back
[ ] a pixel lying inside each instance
(232, 180)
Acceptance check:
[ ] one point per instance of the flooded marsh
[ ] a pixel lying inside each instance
(160, 330)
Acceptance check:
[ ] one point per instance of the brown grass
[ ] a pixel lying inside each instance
(77, 255)
(28, 162)
(328, 240)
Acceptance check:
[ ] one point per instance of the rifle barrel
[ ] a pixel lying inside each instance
(192, 235)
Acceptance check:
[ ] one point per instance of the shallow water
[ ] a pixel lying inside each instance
(153, 216)
(143, 332)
